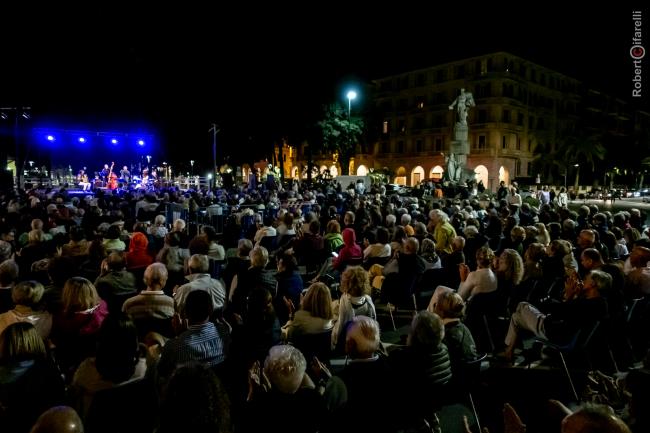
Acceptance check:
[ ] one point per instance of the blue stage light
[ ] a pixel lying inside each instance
(50, 138)
(82, 140)
(141, 142)
(114, 141)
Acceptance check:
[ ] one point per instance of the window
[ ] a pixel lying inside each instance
(460, 71)
(531, 122)
(504, 142)
(506, 116)
(482, 116)
(529, 168)
(419, 147)
(421, 79)
(438, 121)
(403, 104)
(438, 144)
(518, 141)
(481, 142)
(520, 119)
(484, 67)
(400, 146)
(384, 128)
(418, 123)
(419, 102)
(384, 147)
(540, 123)
(441, 75)
(508, 90)
(518, 167)
(401, 125)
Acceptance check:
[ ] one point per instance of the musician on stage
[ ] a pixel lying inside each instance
(104, 173)
(125, 174)
(82, 180)
(145, 178)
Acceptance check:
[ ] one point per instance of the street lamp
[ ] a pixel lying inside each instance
(192, 164)
(351, 95)
(576, 186)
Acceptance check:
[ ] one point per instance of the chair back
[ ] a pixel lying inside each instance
(269, 242)
(161, 326)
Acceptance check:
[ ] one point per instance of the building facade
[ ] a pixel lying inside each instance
(523, 111)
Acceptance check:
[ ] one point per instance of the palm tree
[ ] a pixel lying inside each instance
(582, 149)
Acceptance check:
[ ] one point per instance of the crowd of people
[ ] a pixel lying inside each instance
(134, 322)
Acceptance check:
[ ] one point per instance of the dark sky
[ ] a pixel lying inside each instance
(265, 76)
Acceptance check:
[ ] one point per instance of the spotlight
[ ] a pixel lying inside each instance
(141, 142)
(82, 140)
(26, 115)
(114, 141)
(4, 116)
(50, 138)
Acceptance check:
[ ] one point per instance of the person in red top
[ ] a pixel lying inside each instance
(138, 256)
(349, 252)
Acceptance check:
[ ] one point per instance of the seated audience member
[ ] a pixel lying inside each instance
(256, 276)
(194, 401)
(112, 241)
(350, 251)
(117, 362)
(151, 303)
(458, 338)
(288, 387)
(138, 255)
(215, 251)
(290, 286)
(26, 297)
(333, 238)
(115, 280)
(428, 253)
(78, 245)
(422, 370)
(200, 340)
(75, 327)
(29, 382)
(380, 248)
(315, 313)
(482, 280)
(355, 300)
(200, 279)
(58, 419)
(8, 278)
(583, 306)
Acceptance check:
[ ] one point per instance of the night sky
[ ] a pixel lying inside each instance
(266, 76)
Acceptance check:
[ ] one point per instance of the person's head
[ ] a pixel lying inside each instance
(594, 418)
(511, 266)
(78, 295)
(155, 276)
(598, 282)
(355, 281)
(411, 246)
(285, 367)
(198, 306)
(333, 226)
(639, 257)
(194, 401)
(484, 257)
(259, 257)
(199, 264)
(450, 305)
(179, 225)
(117, 349)
(362, 338)
(159, 220)
(116, 261)
(518, 234)
(591, 259)
(287, 263)
(535, 253)
(586, 239)
(426, 333)
(8, 273)
(318, 301)
(27, 293)
(244, 247)
(58, 419)
(21, 342)
(209, 233)
(458, 244)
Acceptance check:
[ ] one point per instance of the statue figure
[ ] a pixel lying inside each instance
(452, 168)
(462, 103)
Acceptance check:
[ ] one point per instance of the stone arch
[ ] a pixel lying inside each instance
(417, 175)
(504, 175)
(481, 174)
(294, 172)
(436, 172)
(362, 170)
(400, 176)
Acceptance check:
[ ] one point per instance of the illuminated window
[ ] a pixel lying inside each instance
(384, 128)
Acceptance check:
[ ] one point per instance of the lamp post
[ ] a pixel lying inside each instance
(351, 95)
(214, 129)
(577, 166)
(192, 164)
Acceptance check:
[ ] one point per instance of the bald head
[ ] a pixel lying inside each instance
(59, 419)
(594, 419)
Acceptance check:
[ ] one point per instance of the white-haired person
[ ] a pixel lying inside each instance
(367, 378)
(443, 232)
(283, 386)
(200, 279)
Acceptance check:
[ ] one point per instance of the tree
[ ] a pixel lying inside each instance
(340, 134)
(583, 149)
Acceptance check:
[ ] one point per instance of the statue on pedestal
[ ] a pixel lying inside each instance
(459, 146)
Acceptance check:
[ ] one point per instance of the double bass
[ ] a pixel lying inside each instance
(112, 178)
